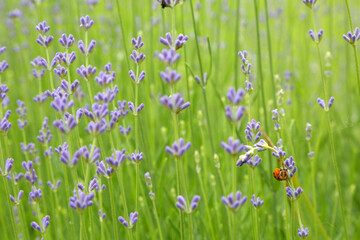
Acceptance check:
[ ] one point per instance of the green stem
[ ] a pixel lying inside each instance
(190, 227)
(157, 219)
(49, 69)
(256, 231)
(234, 225)
(10, 208)
(208, 121)
(111, 190)
(357, 66)
(177, 160)
(122, 33)
(349, 15)
(83, 226)
(237, 21)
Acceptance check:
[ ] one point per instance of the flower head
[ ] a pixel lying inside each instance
(234, 201)
(233, 147)
(133, 218)
(86, 22)
(178, 148)
(352, 38)
(256, 203)
(303, 232)
(81, 200)
(293, 193)
(181, 204)
(45, 224)
(174, 103)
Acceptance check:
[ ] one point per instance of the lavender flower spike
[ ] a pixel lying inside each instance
(86, 23)
(174, 103)
(330, 103)
(80, 200)
(18, 198)
(136, 157)
(321, 103)
(352, 38)
(256, 203)
(234, 204)
(254, 161)
(303, 232)
(170, 76)
(67, 42)
(293, 193)
(133, 218)
(316, 37)
(309, 3)
(169, 56)
(45, 224)
(233, 147)
(35, 194)
(181, 204)
(178, 148)
(42, 28)
(137, 43)
(203, 81)
(8, 166)
(235, 97)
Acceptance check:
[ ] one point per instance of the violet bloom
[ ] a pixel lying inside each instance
(233, 147)
(235, 97)
(65, 155)
(69, 89)
(35, 194)
(137, 43)
(86, 73)
(104, 170)
(181, 204)
(203, 81)
(108, 96)
(31, 176)
(137, 79)
(352, 38)
(44, 41)
(67, 124)
(254, 161)
(16, 13)
(40, 98)
(3, 66)
(168, 56)
(309, 3)
(256, 203)
(91, 154)
(65, 41)
(252, 131)
(65, 59)
(316, 37)
(125, 130)
(5, 125)
(308, 131)
(275, 117)
(137, 110)
(8, 166)
(97, 128)
(149, 184)
(102, 216)
(174, 103)
(303, 232)
(105, 79)
(80, 200)
(3, 90)
(90, 48)
(133, 218)
(17, 200)
(42, 28)
(137, 57)
(2, 49)
(293, 193)
(234, 115)
(178, 148)
(53, 187)
(171, 77)
(246, 66)
(179, 42)
(290, 166)
(62, 103)
(115, 160)
(86, 22)
(136, 157)
(169, 3)
(39, 62)
(279, 153)
(322, 103)
(234, 204)
(44, 223)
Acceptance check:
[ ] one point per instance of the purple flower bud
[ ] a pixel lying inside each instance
(232, 203)
(137, 43)
(44, 41)
(174, 103)
(136, 157)
(254, 161)
(3, 66)
(42, 28)
(330, 103)
(256, 203)
(309, 3)
(137, 57)
(233, 147)
(86, 23)
(203, 81)
(67, 42)
(194, 202)
(178, 148)
(125, 131)
(35, 194)
(303, 232)
(168, 56)
(104, 170)
(170, 76)
(321, 102)
(86, 73)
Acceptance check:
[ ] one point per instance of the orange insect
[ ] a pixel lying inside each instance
(280, 174)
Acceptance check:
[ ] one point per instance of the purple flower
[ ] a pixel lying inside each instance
(86, 51)
(65, 41)
(115, 160)
(125, 131)
(54, 187)
(330, 103)
(202, 82)
(276, 119)
(86, 73)
(170, 76)
(137, 110)
(70, 89)
(316, 37)
(234, 204)
(16, 13)
(246, 66)
(178, 148)
(39, 62)
(108, 96)
(42, 27)
(86, 23)
(234, 115)
(168, 3)
(62, 103)
(174, 103)
(179, 42)
(290, 165)
(137, 79)
(104, 170)
(2, 49)
(352, 38)
(254, 161)
(102, 216)
(309, 3)
(235, 97)
(67, 124)
(136, 157)
(133, 218)
(5, 125)
(252, 131)
(233, 147)
(137, 43)
(105, 79)
(35, 194)
(65, 155)
(308, 131)
(18, 198)
(303, 232)
(65, 59)
(3, 66)
(293, 193)
(80, 200)
(44, 41)
(256, 203)
(168, 56)
(45, 223)
(8, 166)
(137, 57)
(181, 204)
(97, 128)
(91, 156)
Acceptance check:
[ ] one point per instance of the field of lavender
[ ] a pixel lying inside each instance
(179, 119)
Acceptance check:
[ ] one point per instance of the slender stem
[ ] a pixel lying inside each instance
(10, 208)
(234, 225)
(237, 20)
(83, 225)
(357, 66)
(122, 33)
(313, 172)
(349, 15)
(86, 46)
(256, 231)
(157, 218)
(190, 227)
(111, 190)
(208, 121)
(177, 160)
(49, 69)
(233, 175)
